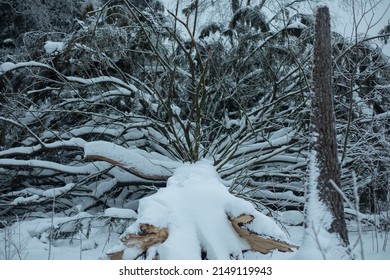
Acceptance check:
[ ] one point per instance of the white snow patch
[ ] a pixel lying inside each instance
(104, 187)
(6, 66)
(147, 163)
(23, 200)
(58, 191)
(296, 25)
(53, 48)
(175, 110)
(120, 213)
(291, 218)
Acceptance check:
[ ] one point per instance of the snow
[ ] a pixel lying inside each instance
(52, 193)
(104, 187)
(293, 217)
(120, 213)
(73, 142)
(29, 241)
(23, 200)
(85, 130)
(8, 66)
(102, 79)
(318, 243)
(152, 164)
(280, 138)
(34, 163)
(296, 25)
(195, 207)
(53, 48)
(175, 110)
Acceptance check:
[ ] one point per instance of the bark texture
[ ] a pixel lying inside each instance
(323, 125)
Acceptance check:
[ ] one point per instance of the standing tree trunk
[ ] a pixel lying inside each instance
(235, 5)
(323, 125)
(325, 209)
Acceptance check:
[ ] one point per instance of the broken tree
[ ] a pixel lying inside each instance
(195, 217)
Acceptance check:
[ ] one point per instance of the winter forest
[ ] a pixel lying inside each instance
(167, 129)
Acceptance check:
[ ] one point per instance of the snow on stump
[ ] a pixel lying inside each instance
(195, 217)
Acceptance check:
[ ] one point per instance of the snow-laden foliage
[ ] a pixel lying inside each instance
(158, 92)
(146, 78)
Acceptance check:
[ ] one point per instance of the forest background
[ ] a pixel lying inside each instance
(173, 84)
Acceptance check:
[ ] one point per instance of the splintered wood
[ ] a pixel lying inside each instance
(150, 235)
(256, 242)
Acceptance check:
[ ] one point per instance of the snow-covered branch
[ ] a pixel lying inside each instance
(9, 66)
(49, 165)
(73, 143)
(150, 166)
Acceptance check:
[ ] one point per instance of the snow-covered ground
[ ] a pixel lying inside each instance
(22, 244)
(193, 207)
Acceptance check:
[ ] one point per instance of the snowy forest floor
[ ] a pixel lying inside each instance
(18, 242)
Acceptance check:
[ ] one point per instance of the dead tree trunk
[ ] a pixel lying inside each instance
(323, 142)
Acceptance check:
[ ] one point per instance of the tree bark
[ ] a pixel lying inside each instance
(235, 5)
(323, 126)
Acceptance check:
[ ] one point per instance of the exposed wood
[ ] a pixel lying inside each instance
(150, 235)
(117, 256)
(256, 242)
